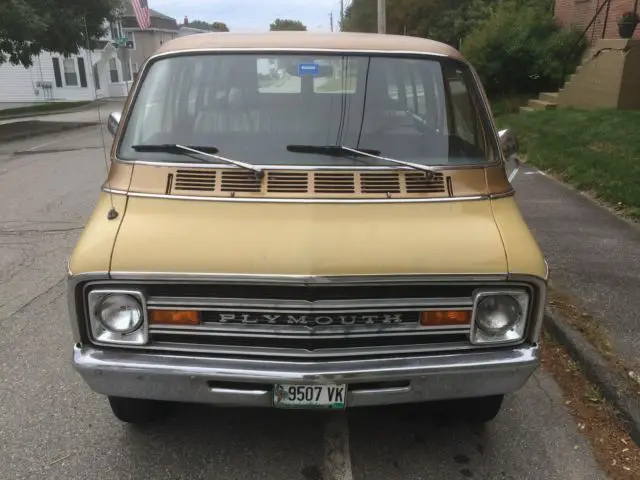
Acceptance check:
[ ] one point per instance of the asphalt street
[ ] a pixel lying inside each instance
(52, 426)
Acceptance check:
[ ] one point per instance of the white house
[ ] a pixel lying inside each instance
(104, 72)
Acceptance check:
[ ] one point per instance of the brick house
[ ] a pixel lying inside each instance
(580, 13)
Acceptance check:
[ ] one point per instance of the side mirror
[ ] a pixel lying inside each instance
(510, 148)
(113, 122)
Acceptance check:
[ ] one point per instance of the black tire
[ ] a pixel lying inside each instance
(480, 410)
(135, 410)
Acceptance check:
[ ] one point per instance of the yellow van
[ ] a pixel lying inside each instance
(302, 220)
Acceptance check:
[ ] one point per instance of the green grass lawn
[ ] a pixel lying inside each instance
(596, 151)
(40, 108)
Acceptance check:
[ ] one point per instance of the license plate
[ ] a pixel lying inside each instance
(309, 396)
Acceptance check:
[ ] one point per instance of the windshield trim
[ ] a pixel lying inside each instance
(486, 116)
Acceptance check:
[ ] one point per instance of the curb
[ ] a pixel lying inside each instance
(598, 370)
(80, 108)
(49, 129)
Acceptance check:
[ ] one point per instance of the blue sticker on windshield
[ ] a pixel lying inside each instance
(308, 69)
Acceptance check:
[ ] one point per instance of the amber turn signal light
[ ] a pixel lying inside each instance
(174, 317)
(436, 318)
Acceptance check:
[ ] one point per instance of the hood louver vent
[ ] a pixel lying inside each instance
(419, 183)
(307, 183)
(379, 183)
(284, 182)
(334, 183)
(196, 180)
(241, 181)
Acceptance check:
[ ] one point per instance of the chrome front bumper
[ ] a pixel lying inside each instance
(245, 382)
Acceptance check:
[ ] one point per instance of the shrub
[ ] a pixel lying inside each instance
(521, 49)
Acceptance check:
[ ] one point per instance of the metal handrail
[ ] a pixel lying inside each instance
(607, 4)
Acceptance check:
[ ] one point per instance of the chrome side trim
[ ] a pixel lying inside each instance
(496, 196)
(72, 282)
(296, 200)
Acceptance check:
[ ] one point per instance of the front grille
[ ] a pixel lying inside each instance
(309, 321)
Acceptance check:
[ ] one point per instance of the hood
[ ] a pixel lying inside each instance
(217, 237)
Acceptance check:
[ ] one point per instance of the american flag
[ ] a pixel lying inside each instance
(143, 14)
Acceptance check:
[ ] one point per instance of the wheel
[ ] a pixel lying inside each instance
(135, 410)
(479, 410)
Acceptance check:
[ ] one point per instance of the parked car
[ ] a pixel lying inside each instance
(347, 236)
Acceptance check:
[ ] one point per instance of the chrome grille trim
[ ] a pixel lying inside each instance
(245, 351)
(393, 304)
(285, 332)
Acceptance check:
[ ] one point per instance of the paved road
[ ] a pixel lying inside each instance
(52, 426)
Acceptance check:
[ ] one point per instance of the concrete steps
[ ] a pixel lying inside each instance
(549, 97)
(537, 104)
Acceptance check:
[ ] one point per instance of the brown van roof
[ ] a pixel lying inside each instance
(309, 40)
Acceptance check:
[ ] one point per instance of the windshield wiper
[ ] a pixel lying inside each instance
(342, 151)
(206, 151)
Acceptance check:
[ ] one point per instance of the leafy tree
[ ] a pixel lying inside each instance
(199, 24)
(28, 27)
(215, 26)
(285, 24)
(219, 27)
(521, 49)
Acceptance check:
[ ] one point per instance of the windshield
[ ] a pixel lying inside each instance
(250, 107)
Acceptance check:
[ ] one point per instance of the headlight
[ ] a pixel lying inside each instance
(118, 317)
(499, 317)
(120, 313)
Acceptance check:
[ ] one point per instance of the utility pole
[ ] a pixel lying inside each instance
(341, 13)
(331, 20)
(382, 16)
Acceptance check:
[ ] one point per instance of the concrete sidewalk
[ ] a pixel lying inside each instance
(593, 255)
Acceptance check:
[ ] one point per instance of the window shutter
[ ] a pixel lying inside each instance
(83, 73)
(56, 72)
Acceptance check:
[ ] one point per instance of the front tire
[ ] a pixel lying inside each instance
(136, 411)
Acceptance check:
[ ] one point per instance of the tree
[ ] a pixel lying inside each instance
(28, 27)
(284, 24)
(521, 49)
(214, 27)
(199, 24)
(219, 27)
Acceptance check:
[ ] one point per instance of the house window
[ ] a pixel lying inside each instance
(131, 38)
(113, 71)
(115, 32)
(70, 72)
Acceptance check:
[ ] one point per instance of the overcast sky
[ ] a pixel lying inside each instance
(252, 15)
